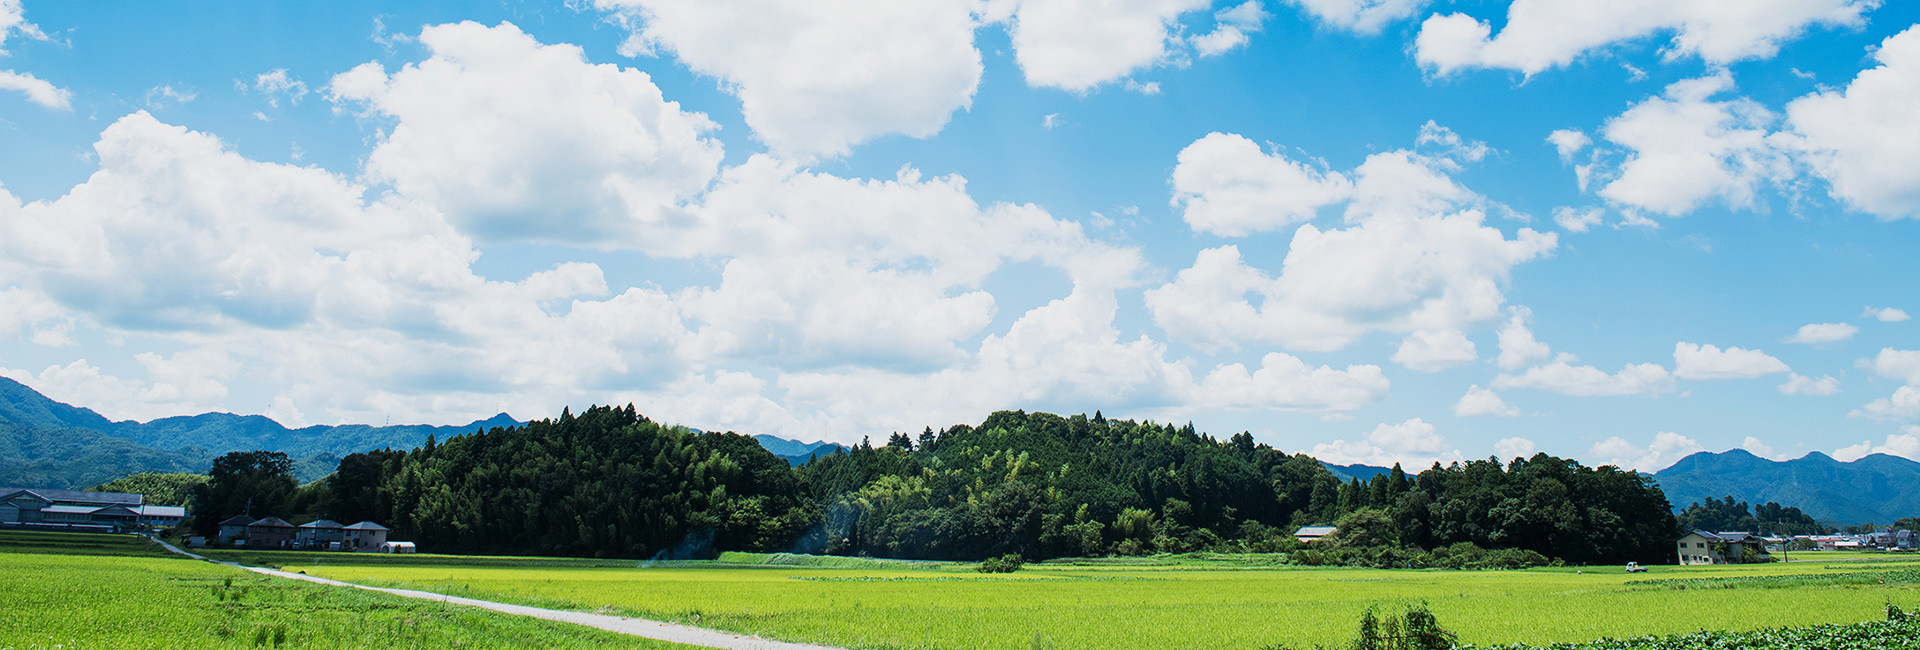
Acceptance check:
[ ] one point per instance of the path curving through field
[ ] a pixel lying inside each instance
(651, 629)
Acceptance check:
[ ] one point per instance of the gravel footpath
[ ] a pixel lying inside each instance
(635, 626)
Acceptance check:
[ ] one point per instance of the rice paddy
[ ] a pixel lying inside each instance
(1185, 602)
(79, 591)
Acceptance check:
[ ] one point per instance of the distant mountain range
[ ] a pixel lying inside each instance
(794, 451)
(45, 443)
(1878, 488)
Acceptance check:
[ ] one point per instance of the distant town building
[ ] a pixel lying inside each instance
(1701, 547)
(269, 532)
(366, 536)
(75, 510)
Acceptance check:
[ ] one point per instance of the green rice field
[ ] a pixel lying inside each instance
(1184, 602)
(59, 588)
(78, 591)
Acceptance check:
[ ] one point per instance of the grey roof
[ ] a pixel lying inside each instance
(163, 511)
(270, 522)
(321, 523)
(79, 496)
(1316, 531)
(236, 520)
(367, 525)
(69, 510)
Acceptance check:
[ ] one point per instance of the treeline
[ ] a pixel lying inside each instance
(609, 482)
(1770, 518)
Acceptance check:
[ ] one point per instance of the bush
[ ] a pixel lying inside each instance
(1008, 563)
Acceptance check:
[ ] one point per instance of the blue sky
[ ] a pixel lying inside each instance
(1372, 230)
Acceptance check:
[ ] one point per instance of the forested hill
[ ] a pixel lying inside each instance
(51, 444)
(609, 482)
(796, 452)
(1878, 488)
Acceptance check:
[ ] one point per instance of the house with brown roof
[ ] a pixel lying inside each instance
(269, 532)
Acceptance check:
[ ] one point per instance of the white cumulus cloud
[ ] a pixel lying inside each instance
(1078, 44)
(1886, 314)
(1360, 16)
(1435, 350)
(1799, 384)
(1225, 185)
(1905, 445)
(1483, 401)
(1646, 379)
(1688, 148)
(1707, 361)
(818, 77)
(1863, 139)
(1816, 333)
(1413, 444)
(1666, 449)
(1515, 448)
(518, 141)
(1518, 348)
(1543, 34)
(37, 90)
(1232, 25)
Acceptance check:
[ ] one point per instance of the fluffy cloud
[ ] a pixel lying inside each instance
(1577, 220)
(1482, 401)
(1078, 44)
(37, 90)
(1862, 138)
(1696, 361)
(1360, 16)
(1543, 34)
(1898, 364)
(1816, 333)
(1514, 448)
(1412, 444)
(1232, 25)
(1225, 185)
(1434, 351)
(1905, 445)
(1411, 259)
(1885, 314)
(1687, 148)
(1397, 275)
(1760, 448)
(1284, 382)
(1904, 404)
(1799, 384)
(13, 22)
(1517, 345)
(816, 78)
(518, 141)
(193, 380)
(1667, 448)
(1645, 379)
(1568, 142)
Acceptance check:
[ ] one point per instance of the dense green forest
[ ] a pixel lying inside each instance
(1769, 518)
(611, 483)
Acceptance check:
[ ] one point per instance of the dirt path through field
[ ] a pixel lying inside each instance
(635, 626)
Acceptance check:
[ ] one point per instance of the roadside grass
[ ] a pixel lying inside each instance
(1170, 601)
(77, 591)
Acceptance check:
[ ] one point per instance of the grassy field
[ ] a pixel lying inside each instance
(1199, 602)
(79, 591)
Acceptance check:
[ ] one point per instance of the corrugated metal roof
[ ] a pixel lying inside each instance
(81, 497)
(163, 511)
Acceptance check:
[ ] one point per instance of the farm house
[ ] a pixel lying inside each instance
(75, 510)
(1701, 547)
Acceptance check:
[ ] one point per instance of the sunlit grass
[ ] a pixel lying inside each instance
(1161, 602)
(103, 591)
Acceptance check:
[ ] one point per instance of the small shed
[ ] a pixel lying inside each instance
(397, 547)
(1311, 534)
